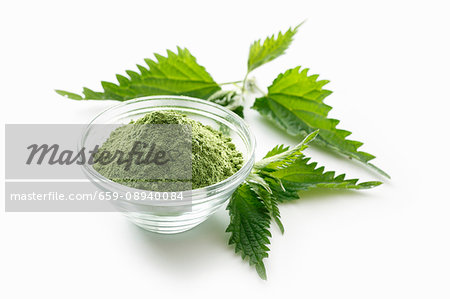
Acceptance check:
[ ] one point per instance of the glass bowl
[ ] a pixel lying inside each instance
(169, 219)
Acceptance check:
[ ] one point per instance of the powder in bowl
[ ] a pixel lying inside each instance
(212, 156)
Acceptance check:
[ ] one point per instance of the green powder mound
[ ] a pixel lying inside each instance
(198, 156)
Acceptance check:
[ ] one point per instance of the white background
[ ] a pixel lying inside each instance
(388, 62)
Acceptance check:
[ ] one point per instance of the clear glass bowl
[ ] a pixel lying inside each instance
(205, 201)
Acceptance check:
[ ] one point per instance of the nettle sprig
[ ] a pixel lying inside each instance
(277, 178)
(293, 102)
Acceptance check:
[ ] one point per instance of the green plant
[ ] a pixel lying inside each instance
(294, 102)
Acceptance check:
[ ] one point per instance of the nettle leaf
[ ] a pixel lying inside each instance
(278, 149)
(290, 174)
(249, 227)
(271, 48)
(270, 201)
(305, 175)
(285, 155)
(177, 74)
(295, 103)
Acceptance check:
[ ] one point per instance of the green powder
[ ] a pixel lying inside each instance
(197, 155)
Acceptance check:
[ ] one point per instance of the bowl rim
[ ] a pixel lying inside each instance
(218, 187)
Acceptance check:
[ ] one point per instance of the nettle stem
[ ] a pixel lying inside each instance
(231, 82)
(244, 83)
